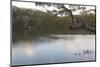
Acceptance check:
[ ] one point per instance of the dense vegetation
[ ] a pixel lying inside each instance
(37, 22)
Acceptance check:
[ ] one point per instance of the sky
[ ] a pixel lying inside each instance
(30, 5)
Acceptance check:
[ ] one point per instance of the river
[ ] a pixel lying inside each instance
(54, 49)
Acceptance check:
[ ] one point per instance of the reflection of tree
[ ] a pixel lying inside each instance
(71, 37)
(84, 52)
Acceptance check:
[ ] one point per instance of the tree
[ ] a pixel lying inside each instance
(62, 9)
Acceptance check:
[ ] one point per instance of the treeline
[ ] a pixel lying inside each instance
(39, 22)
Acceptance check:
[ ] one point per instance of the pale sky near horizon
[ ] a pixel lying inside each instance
(32, 6)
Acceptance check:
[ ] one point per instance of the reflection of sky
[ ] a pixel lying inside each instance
(81, 44)
(32, 6)
(59, 50)
(29, 50)
(25, 48)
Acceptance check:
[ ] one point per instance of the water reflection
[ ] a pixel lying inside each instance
(84, 52)
(29, 50)
(24, 47)
(53, 49)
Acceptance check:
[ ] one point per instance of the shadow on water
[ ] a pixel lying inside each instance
(38, 37)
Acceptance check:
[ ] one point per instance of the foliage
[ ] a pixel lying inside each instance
(39, 22)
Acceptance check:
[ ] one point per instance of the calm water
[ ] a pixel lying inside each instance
(54, 49)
